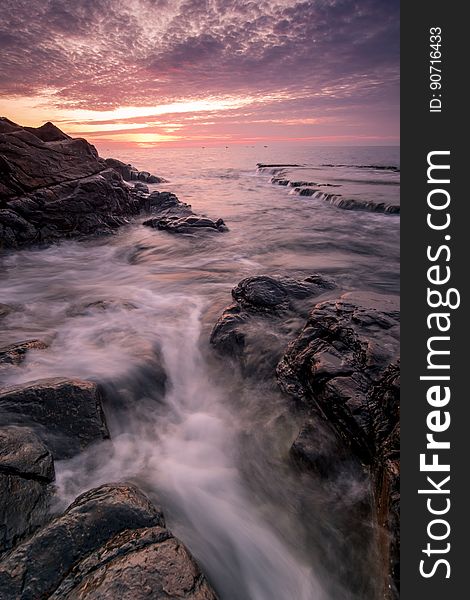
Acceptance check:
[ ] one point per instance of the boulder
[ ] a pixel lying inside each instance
(26, 472)
(67, 414)
(110, 543)
(175, 216)
(343, 368)
(257, 327)
(35, 568)
(136, 565)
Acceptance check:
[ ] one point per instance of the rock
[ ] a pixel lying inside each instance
(141, 187)
(343, 350)
(263, 293)
(48, 133)
(175, 216)
(66, 414)
(186, 224)
(136, 565)
(258, 326)
(30, 163)
(53, 186)
(35, 568)
(344, 367)
(110, 543)
(130, 173)
(14, 354)
(26, 470)
(167, 204)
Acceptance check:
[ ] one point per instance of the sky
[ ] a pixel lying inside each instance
(204, 72)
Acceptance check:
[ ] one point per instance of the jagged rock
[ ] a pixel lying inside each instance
(14, 354)
(258, 326)
(175, 216)
(26, 471)
(53, 186)
(110, 543)
(66, 414)
(48, 133)
(344, 367)
(130, 173)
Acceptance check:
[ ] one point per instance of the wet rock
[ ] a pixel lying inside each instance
(14, 354)
(66, 414)
(130, 173)
(258, 326)
(141, 187)
(53, 186)
(137, 565)
(189, 224)
(26, 472)
(36, 568)
(175, 216)
(344, 367)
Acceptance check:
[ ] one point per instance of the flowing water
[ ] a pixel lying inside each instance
(134, 311)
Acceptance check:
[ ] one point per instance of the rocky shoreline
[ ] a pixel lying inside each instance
(53, 187)
(334, 355)
(342, 373)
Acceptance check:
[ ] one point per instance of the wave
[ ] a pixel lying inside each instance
(347, 203)
(392, 168)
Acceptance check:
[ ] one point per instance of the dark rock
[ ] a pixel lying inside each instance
(30, 163)
(48, 133)
(130, 173)
(257, 327)
(167, 204)
(175, 216)
(136, 565)
(35, 568)
(263, 293)
(53, 186)
(141, 187)
(66, 414)
(26, 470)
(344, 367)
(14, 354)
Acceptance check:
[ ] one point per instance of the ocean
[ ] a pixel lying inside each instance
(213, 448)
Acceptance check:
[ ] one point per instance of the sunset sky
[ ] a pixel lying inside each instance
(203, 72)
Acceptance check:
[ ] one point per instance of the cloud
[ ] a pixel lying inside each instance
(102, 54)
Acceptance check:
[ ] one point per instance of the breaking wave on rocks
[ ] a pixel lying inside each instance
(363, 187)
(134, 313)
